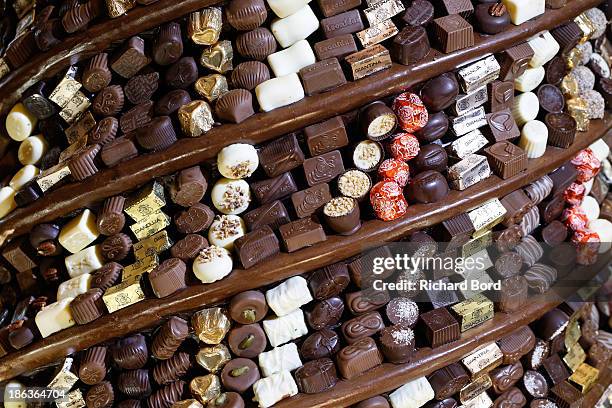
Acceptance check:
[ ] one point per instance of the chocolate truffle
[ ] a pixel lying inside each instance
(397, 343)
(492, 18)
(427, 187)
(440, 92)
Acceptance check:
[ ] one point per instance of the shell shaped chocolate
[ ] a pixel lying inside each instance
(256, 44)
(249, 74)
(236, 99)
(246, 15)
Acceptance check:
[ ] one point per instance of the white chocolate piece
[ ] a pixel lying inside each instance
(237, 161)
(20, 122)
(525, 108)
(283, 358)
(534, 137)
(224, 230)
(413, 394)
(591, 207)
(54, 317)
(600, 149)
(231, 196)
(603, 228)
(298, 26)
(85, 261)
(213, 263)
(25, 174)
(280, 330)
(588, 186)
(544, 47)
(530, 79)
(7, 201)
(523, 10)
(79, 232)
(12, 389)
(278, 92)
(288, 296)
(268, 391)
(292, 59)
(32, 149)
(367, 154)
(285, 8)
(74, 287)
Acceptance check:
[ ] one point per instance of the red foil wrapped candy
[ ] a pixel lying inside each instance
(387, 199)
(395, 170)
(587, 164)
(574, 194)
(575, 218)
(411, 113)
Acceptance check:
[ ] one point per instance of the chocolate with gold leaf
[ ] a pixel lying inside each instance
(211, 325)
(204, 26)
(211, 86)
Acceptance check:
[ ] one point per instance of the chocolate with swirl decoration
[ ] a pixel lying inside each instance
(540, 277)
(362, 326)
(307, 202)
(366, 301)
(256, 246)
(358, 358)
(275, 188)
(323, 168)
(511, 398)
(505, 377)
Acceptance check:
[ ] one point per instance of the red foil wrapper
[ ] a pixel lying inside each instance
(587, 164)
(587, 246)
(411, 113)
(387, 199)
(574, 194)
(394, 170)
(575, 218)
(404, 146)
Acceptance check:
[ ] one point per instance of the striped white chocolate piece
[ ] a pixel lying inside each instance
(544, 47)
(74, 286)
(283, 358)
(288, 296)
(23, 176)
(281, 330)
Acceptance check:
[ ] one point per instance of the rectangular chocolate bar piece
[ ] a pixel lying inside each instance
(256, 246)
(307, 202)
(483, 360)
(20, 254)
(323, 168)
(281, 155)
(359, 357)
(473, 311)
(301, 233)
(150, 225)
(487, 215)
(469, 171)
(566, 395)
(453, 33)
(506, 159)
(337, 47)
(348, 22)
(478, 74)
(514, 61)
(326, 136)
(377, 34)
(440, 327)
(273, 214)
(124, 294)
(456, 231)
(322, 76)
(361, 269)
(368, 61)
(562, 178)
(477, 387)
(275, 188)
(333, 7)
(145, 202)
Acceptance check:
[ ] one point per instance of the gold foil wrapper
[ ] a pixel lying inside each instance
(80, 128)
(377, 34)
(150, 225)
(211, 86)
(573, 58)
(572, 333)
(153, 245)
(204, 26)
(483, 360)
(72, 149)
(487, 216)
(65, 91)
(369, 61)
(75, 107)
(473, 311)
(477, 244)
(218, 57)
(205, 388)
(4, 68)
(140, 267)
(23, 6)
(473, 389)
(578, 109)
(569, 86)
(74, 399)
(52, 176)
(195, 118)
(482, 400)
(149, 200)
(587, 27)
(25, 23)
(211, 325)
(64, 379)
(213, 358)
(188, 403)
(574, 357)
(584, 377)
(116, 8)
(123, 295)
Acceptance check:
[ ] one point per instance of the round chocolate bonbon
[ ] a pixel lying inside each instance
(256, 44)
(116, 247)
(246, 15)
(88, 306)
(431, 157)
(239, 374)
(401, 310)
(104, 132)
(157, 134)
(436, 127)
(92, 369)
(377, 121)
(316, 376)
(325, 313)
(247, 75)
(106, 276)
(492, 18)
(551, 98)
(248, 307)
(440, 92)
(100, 395)
(427, 187)
(171, 102)
(109, 101)
(247, 341)
(397, 343)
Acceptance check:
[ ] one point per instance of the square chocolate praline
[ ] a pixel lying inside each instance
(513, 61)
(462, 7)
(506, 159)
(453, 33)
(501, 126)
(440, 327)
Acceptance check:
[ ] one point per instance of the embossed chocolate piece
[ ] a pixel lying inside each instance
(453, 33)
(275, 188)
(514, 61)
(448, 380)
(281, 155)
(358, 357)
(323, 168)
(307, 202)
(273, 214)
(440, 327)
(256, 246)
(325, 313)
(130, 59)
(506, 159)
(338, 47)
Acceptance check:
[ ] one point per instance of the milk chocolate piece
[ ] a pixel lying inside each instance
(168, 277)
(358, 358)
(281, 155)
(20, 50)
(301, 233)
(109, 101)
(136, 117)
(323, 168)
(555, 369)
(511, 398)
(88, 306)
(168, 45)
(275, 188)
(328, 281)
(368, 61)
(337, 47)
(365, 301)
(462, 7)
(256, 44)
(362, 326)
(171, 102)
(516, 204)
(316, 376)
(235, 106)
(410, 45)
(103, 132)
(347, 22)
(106, 276)
(273, 214)
(248, 307)
(239, 374)
(182, 73)
(566, 395)
(506, 159)
(516, 344)
(131, 352)
(567, 35)
(453, 33)
(189, 247)
(501, 95)
(504, 378)
(256, 246)
(247, 341)
(141, 88)
(448, 380)
(427, 187)
(100, 395)
(117, 151)
(246, 14)
(419, 13)
(322, 76)
(189, 188)
(446, 403)
(325, 313)
(20, 255)
(456, 231)
(514, 61)
(397, 343)
(561, 129)
(440, 327)
(331, 8)
(92, 369)
(514, 289)
(130, 59)
(562, 178)
(309, 201)
(194, 219)
(501, 126)
(326, 136)
(169, 337)
(249, 74)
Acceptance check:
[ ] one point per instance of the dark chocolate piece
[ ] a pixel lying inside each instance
(337, 47)
(167, 395)
(140, 88)
(551, 98)
(534, 384)
(492, 18)
(427, 187)
(411, 45)
(555, 70)
(97, 76)
(275, 188)
(397, 343)
(92, 368)
(402, 310)
(504, 377)
(182, 73)
(118, 151)
(134, 383)
(189, 247)
(562, 178)
(106, 276)
(329, 281)
(514, 292)
(131, 352)
(440, 92)
(100, 395)
(516, 204)
(325, 313)
(436, 127)
(281, 155)
(168, 45)
(256, 246)
(247, 341)
(516, 344)
(554, 233)
(170, 370)
(456, 231)
(116, 247)
(419, 13)
(551, 324)
(567, 35)
(273, 214)
(440, 327)
(256, 44)
(449, 380)
(561, 129)
(361, 269)
(453, 33)
(316, 376)
(514, 61)
(88, 306)
(333, 7)
(555, 369)
(322, 343)
(136, 117)
(246, 15)
(431, 157)
(20, 255)
(131, 59)
(235, 106)
(109, 101)
(366, 301)
(189, 188)
(169, 337)
(565, 395)
(247, 75)
(378, 121)
(171, 102)
(513, 398)
(347, 22)
(194, 219)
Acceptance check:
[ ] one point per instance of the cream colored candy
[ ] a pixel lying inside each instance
(603, 228)
(600, 149)
(413, 394)
(20, 122)
(544, 47)
(74, 287)
(285, 8)
(279, 359)
(297, 26)
(523, 10)
(525, 108)
(231, 196)
(85, 261)
(269, 390)
(226, 229)
(213, 263)
(25, 174)
(11, 390)
(590, 207)
(278, 92)
(288, 296)
(530, 79)
(7, 201)
(588, 185)
(238, 160)
(292, 59)
(280, 330)
(32, 149)
(79, 232)
(54, 317)
(534, 137)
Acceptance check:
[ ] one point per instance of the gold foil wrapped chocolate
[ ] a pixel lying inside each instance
(153, 245)
(578, 109)
(377, 34)
(211, 86)
(148, 200)
(195, 118)
(73, 399)
(116, 8)
(572, 333)
(65, 378)
(478, 385)
(584, 377)
(205, 388)
(487, 216)
(473, 311)
(573, 58)
(213, 358)
(483, 360)
(476, 245)
(65, 90)
(4, 68)
(150, 225)
(204, 26)
(80, 128)
(123, 295)
(569, 86)
(574, 357)
(188, 403)
(218, 57)
(369, 61)
(75, 107)
(211, 325)
(140, 267)
(587, 27)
